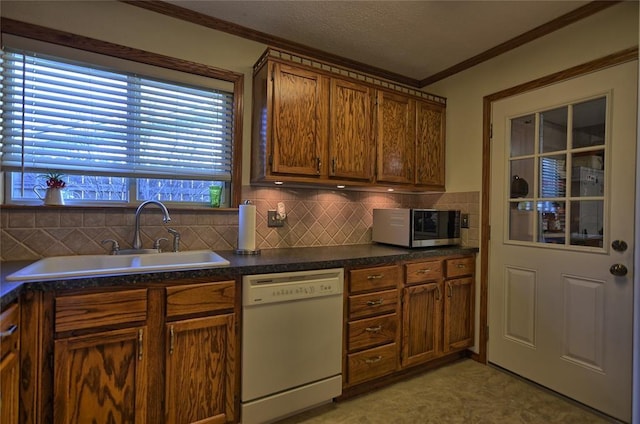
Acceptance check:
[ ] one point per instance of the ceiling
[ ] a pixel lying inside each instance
(414, 42)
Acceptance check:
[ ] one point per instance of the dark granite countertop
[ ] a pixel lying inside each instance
(268, 261)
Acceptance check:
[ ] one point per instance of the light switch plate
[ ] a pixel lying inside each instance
(464, 220)
(272, 221)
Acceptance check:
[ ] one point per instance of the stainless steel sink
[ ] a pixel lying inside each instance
(60, 267)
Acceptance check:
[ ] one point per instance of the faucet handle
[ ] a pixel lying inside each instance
(115, 246)
(156, 244)
(176, 239)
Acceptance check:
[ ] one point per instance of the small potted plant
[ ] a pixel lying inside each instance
(55, 184)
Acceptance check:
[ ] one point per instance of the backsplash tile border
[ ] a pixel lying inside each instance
(315, 217)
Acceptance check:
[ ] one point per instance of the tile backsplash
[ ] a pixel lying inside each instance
(315, 217)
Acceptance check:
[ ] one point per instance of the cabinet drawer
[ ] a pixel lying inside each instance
(199, 298)
(372, 363)
(363, 305)
(378, 278)
(460, 266)
(423, 271)
(100, 309)
(372, 331)
(9, 329)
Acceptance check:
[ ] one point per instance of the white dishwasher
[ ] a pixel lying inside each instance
(291, 342)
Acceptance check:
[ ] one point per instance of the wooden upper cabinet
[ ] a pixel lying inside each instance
(297, 133)
(430, 158)
(395, 138)
(351, 145)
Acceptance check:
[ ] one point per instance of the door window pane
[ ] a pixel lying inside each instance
(521, 177)
(551, 221)
(523, 132)
(553, 176)
(587, 224)
(553, 130)
(587, 181)
(521, 221)
(589, 123)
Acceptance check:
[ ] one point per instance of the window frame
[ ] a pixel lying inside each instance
(62, 38)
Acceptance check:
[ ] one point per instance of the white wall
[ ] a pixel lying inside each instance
(609, 31)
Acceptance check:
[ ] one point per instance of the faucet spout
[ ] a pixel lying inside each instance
(137, 243)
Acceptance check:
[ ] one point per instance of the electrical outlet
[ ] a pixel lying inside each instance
(464, 220)
(273, 221)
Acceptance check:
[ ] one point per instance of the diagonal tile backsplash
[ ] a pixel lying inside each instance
(314, 218)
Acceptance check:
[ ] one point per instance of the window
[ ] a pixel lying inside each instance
(117, 136)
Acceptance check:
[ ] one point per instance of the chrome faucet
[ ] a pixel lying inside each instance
(137, 243)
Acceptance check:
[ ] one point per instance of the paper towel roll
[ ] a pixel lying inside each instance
(247, 227)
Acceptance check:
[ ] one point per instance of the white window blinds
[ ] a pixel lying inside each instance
(81, 119)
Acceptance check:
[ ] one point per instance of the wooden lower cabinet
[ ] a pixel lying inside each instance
(421, 323)
(115, 351)
(459, 314)
(10, 364)
(101, 377)
(373, 323)
(200, 370)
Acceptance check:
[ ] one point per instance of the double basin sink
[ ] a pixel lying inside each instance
(61, 267)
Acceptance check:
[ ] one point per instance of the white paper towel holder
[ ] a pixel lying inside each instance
(247, 251)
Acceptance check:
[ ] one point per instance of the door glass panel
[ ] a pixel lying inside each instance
(587, 175)
(553, 130)
(521, 175)
(589, 123)
(587, 223)
(543, 145)
(553, 176)
(551, 221)
(523, 132)
(521, 221)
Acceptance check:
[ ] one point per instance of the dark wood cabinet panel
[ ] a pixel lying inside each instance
(421, 323)
(395, 138)
(430, 145)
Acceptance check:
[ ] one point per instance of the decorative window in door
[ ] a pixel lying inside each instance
(557, 175)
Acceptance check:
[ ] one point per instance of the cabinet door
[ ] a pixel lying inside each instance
(297, 133)
(9, 387)
(430, 159)
(351, 147)
(459, 314)
(200, 370)
(10, 364)
(395, 138)
(421, 323)
(101, 377)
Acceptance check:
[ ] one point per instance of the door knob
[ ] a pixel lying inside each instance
(619, 245)
(618, 270)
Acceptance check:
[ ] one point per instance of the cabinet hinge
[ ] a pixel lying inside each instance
(270, 160)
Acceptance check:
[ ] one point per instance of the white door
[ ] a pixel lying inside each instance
(562, 203)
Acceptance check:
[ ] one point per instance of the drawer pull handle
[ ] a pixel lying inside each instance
(373, 329)
(140, 344)
(462, 266)
(373, 360)
(375, 277)
(450, 288)
(424, 271)
(375, 302)
(172, 340)
(9, 331)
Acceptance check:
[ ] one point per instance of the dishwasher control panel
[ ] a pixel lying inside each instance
(283, 287)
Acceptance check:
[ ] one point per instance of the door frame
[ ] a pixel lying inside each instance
(614, 59)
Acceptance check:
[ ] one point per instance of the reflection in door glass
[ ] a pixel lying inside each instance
(587, 223)
(553, 176)
(551, 222)
(587, 181)
(589, 123)
(523, 131)
(553, 130)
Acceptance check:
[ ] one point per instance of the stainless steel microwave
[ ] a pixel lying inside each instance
(416, 227)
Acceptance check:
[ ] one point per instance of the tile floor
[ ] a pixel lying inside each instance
(464, 392)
